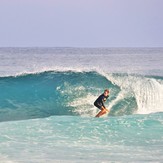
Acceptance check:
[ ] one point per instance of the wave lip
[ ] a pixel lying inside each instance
(69, 92)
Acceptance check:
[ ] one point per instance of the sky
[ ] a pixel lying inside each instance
(81, 23)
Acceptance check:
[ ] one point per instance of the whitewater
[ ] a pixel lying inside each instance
(47, 112)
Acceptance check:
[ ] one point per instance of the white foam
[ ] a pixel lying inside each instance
(148, 92)
(84, 105)
(149, 96)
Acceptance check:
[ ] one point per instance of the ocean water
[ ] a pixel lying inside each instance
(47, 112)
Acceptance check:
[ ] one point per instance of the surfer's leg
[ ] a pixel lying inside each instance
(102, 112)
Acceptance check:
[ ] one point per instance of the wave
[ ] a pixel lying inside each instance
(51, 93)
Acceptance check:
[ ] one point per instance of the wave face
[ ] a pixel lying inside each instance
(73, 93)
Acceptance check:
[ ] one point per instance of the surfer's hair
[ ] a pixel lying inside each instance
(106, 90)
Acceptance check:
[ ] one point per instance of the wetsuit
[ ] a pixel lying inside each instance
(99, 103)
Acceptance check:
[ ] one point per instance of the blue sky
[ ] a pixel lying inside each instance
(81, 23)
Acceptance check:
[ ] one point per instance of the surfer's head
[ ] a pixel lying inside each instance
(106, 92)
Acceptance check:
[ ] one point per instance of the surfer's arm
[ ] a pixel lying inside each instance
(105, 107)
(102, 102)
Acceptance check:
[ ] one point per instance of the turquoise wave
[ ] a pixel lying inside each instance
(53, 93)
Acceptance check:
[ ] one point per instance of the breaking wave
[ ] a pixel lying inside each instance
(51, 93)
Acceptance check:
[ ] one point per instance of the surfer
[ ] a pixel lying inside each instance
(99, 103)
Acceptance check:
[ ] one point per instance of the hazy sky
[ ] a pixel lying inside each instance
(81, 23)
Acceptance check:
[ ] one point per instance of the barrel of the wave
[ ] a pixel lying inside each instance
(99, 103)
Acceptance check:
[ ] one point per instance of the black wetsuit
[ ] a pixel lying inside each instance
(99, 103)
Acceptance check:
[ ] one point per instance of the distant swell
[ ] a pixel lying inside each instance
(73, 93)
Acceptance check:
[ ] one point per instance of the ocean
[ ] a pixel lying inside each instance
(47, 112)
